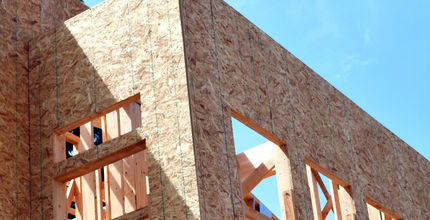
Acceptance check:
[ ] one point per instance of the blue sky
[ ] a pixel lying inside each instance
(377, 53)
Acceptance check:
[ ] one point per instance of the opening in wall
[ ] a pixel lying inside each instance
(378, 212)
(331, 196)
(101, 165)
(255, 155)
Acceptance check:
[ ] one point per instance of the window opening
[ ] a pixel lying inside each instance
(113, 189)
(378, 212)
(330, 195)
(255, 155)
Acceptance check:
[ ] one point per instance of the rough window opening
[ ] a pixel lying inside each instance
(116, 184)
(378, 212)
(255, 156)
(331, 196)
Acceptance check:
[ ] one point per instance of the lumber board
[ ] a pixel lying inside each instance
(321, 183)
(127, 101)
(313, 187)
(284, 182)
(100, 156)
(335, 198)
(328, 206)
(257, 175)
(254, 215)
(115, 170)
(138, 214)
(378, 205)
(88, 181)
(127, 118)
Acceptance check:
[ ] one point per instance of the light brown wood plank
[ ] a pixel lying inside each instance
(115, 170)
(335, 198)
(88, 180)
(96, 158)
(139, 214)
(126, 120)
(284, 182)
(125, 102)
(313, 187)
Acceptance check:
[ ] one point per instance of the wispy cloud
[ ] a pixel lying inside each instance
(349, 64)
(318, 16)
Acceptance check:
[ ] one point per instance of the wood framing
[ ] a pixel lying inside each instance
(99, 156)
(173, 74)
(140, 214)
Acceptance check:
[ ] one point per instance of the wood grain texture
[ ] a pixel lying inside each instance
(97, 157)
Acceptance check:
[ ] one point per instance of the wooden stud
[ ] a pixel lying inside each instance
(88, 190)
(346, 202)
(60, 194)
(105, 172)
(256, 176)
(72, 138)
(374, 213)
(139, 214)
(313, 187)
(115, 169)
(126, 119)
(328, 206)
(335, 198)
(285, 182)
(96, 158)
(114, 107)
(321, 183)
(379, 206)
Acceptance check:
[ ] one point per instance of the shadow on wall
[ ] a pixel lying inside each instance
(79, 68)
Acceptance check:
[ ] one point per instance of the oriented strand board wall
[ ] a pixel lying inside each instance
(98, 58)
(19, 22)
(233, 64)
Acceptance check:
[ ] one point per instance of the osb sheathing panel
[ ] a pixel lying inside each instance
(103, 56)
(19, 22)
(231, 64)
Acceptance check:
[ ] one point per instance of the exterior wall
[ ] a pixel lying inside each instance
(19, 22)
(100, 57)
(231, 64)
(121, 48)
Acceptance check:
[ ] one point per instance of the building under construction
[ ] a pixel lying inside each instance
(124, 111)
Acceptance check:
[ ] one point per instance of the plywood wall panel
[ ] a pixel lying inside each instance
(258, 64)
(231, 73)
(105, 59)
(246, 64)
(20, 22)
(325, 125)
(35, 126)
(112, 49)
(76, 98)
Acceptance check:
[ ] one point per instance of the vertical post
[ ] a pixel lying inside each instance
(60, 194)
(106, 172)
(115, 170)
(88, 190)
(346, 203)
(126, 120)
(78, 192)
(316, 207)
(284, 180)
(374, 213)
(335, 198)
